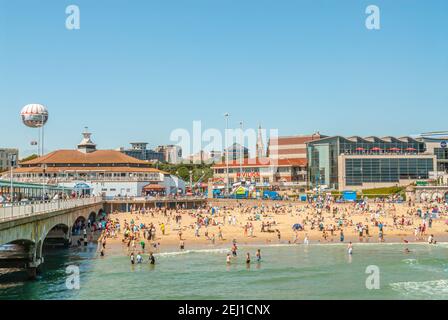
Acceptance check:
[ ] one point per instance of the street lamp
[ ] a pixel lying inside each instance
(44, 168)
(226, 116)
(241, 151)
(12, 161)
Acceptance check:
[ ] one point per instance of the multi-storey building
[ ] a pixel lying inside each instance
(361, 163)
(139, 150)
(5, 158)
(172, 153)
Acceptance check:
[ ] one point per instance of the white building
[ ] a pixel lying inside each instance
(87, 170)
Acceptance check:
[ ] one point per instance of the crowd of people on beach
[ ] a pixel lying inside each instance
(320, 221)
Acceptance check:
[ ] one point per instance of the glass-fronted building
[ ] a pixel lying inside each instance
(361, 163)
(437, 144)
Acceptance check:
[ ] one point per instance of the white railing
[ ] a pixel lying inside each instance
(8, 212)
(152, 199)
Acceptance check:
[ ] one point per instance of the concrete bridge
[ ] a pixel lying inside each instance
(24, 229)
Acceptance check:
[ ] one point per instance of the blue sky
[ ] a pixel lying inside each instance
(138, 69)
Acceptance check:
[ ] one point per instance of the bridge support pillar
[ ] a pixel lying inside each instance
(32, 269)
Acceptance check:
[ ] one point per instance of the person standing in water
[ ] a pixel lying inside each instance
(228, 259)
(258, 255)
(350, 248)
(152, 260)
(132, 258)
(248, 258)
(306, 241)
(234, 250)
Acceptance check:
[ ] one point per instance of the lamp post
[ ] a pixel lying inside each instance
(12, 161)
(44, 168)
(226, 116)
(241, 151)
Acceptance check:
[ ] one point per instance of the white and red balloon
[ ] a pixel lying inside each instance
(34, 115)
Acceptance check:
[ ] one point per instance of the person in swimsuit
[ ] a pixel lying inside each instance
(350, 248)
(258, 255)
(152, 260)
(248, 258)
(132, 258)
(234, 250)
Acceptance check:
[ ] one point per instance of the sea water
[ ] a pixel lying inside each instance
(286, 272)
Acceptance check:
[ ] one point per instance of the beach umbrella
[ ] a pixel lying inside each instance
(359, 149)
(376, 149)
(411, 149)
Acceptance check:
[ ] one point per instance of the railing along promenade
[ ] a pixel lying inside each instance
(155, 199)
(17, 211)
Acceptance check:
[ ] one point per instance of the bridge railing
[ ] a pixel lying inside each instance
(20, 211)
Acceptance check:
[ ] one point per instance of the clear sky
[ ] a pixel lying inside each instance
(138, 69)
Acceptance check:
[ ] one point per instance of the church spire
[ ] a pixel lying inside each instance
(260, 144)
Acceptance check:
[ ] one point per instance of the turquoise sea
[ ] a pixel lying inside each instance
(286, 272)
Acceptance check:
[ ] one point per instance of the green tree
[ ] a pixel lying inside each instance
(31, 157)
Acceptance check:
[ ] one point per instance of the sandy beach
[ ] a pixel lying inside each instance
(231, 217)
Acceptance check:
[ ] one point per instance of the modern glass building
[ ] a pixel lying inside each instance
(437, 144)
(361, 163)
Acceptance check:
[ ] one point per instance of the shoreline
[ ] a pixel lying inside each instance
(117, 249)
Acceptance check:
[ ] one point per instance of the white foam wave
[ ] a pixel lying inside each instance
(410, 261)
(179, 253)
(428, 289)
